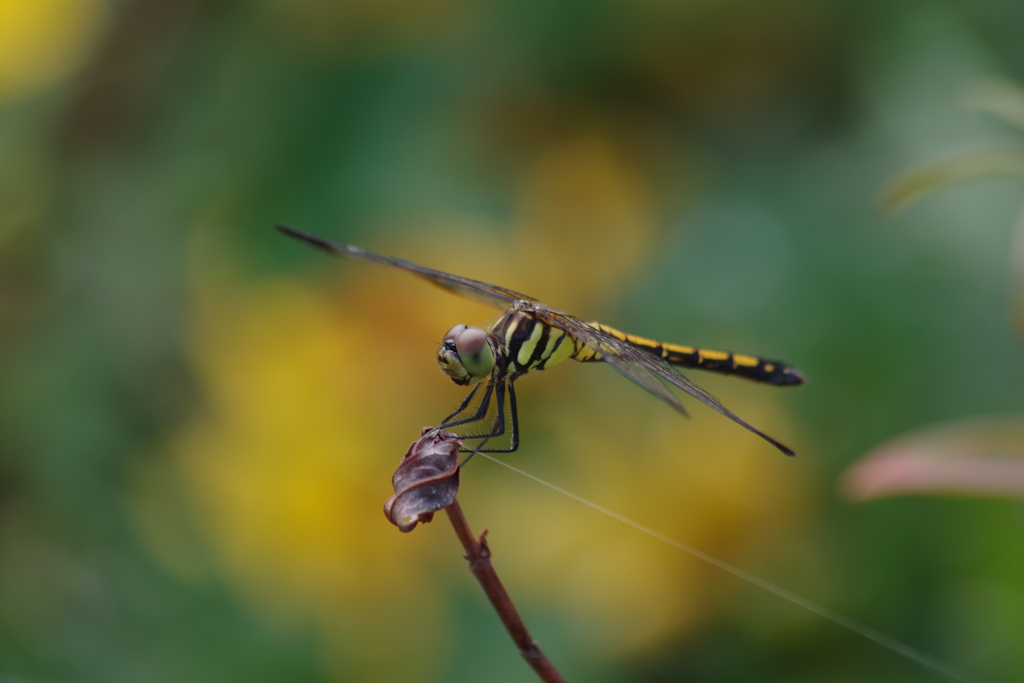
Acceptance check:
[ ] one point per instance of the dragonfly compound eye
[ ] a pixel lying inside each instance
(453, 334)
(449, 360)
(475, 352)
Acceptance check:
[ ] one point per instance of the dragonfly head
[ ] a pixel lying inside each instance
(465, 355)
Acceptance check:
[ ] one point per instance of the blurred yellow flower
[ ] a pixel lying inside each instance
(42, 41)
(288, 463)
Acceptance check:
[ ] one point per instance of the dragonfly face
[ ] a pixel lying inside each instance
(531, 336)
(466, 354)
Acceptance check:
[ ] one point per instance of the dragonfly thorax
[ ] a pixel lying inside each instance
(466, 354)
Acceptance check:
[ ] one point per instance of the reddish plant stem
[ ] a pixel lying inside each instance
(479, 556)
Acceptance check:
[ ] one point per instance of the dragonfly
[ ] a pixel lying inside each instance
(530, 337)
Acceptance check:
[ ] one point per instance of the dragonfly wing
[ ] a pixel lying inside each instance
(639, 374)
(481, 292)
(648, 371)
(630, 367)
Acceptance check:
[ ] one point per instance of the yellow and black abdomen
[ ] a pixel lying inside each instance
(750, 367)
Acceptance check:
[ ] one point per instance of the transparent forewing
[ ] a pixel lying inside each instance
(481, 292)
(646, 370)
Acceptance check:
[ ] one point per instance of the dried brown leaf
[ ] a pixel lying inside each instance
(426, 481)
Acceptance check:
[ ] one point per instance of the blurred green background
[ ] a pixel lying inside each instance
(200, 418)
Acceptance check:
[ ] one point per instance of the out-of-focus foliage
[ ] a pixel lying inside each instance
(199, 419)
(955, 167)
(1006, 100)
(997, 96)
(982, 457)
(1001, 98)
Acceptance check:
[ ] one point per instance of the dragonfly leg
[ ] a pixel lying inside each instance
(462, 406)
(499, 427)
(514, 445)
(481, 412)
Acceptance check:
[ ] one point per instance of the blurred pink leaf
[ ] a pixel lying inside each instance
(973, 457)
